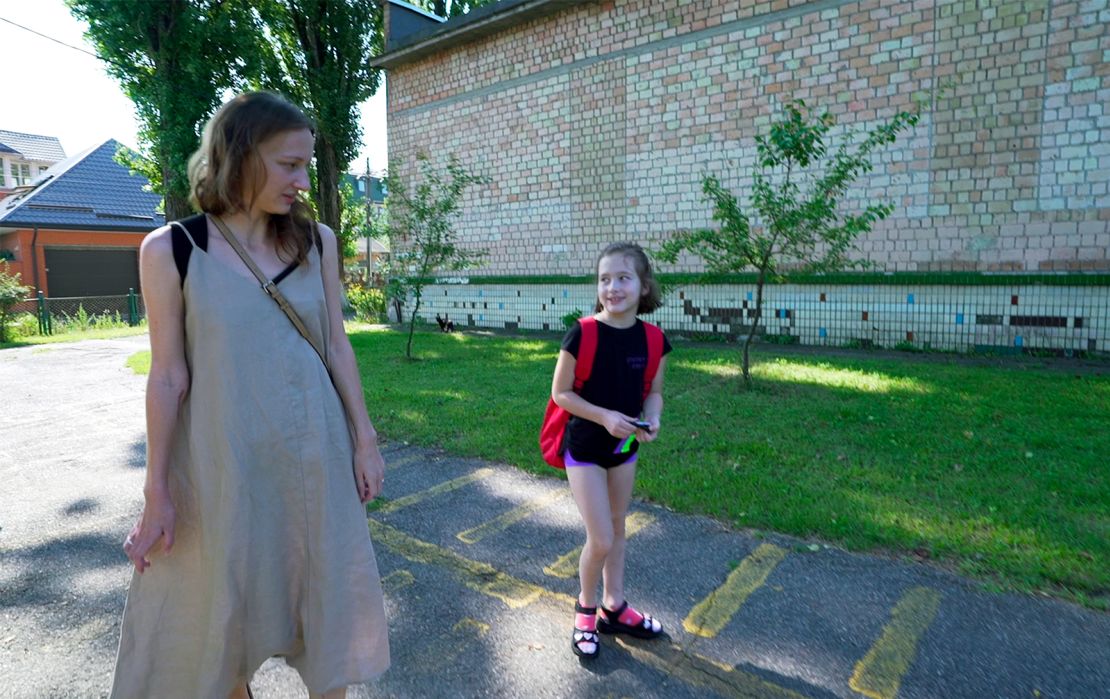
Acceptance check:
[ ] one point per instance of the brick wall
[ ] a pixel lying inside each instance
(596, 124)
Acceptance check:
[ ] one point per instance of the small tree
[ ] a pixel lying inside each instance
(11, 293)
(422, 240)
(795, 199)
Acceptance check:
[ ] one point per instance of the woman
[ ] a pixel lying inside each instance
(253, 540)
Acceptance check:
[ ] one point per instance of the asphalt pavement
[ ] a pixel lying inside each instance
(478, 563)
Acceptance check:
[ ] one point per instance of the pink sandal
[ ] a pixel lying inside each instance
(585, 631)
(625, 619)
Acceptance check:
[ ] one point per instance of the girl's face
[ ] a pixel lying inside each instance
(284, 158)
(618, 285)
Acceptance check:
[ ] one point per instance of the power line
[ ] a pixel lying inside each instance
(56, 41)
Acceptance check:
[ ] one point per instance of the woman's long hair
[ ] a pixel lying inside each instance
(228, 159)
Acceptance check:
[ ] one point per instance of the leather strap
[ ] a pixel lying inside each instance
(270, 288)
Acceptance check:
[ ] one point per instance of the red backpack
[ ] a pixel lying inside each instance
(555, 418)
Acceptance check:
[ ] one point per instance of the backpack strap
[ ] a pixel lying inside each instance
(655, 355)
(587, 348)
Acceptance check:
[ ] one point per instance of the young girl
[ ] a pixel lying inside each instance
(252, 542)
(601, 441)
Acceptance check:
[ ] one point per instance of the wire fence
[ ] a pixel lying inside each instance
(82, 312)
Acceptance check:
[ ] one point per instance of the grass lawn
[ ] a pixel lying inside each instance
(75, 336)
(999, 471)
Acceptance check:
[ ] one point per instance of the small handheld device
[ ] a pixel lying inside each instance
(642, 425)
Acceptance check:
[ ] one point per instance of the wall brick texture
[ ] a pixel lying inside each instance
(597, 123)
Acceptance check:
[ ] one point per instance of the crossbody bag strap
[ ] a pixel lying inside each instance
(270, 288)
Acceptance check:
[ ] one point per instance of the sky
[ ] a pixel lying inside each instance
(53, 90)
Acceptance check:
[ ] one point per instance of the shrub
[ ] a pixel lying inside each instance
(368, 303)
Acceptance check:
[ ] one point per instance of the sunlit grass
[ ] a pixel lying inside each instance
(997, 471)
(823, 374)
(139, 362)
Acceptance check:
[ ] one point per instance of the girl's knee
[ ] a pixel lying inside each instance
(599, 546)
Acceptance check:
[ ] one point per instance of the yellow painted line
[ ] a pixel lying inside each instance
(879, 674)
(454, 484)
(709, 616)
(473, 574)
(699, 671)
(470, 627)
(405, 460)
(567, 564)
(397, 580)
(684, 664)
(504, 521)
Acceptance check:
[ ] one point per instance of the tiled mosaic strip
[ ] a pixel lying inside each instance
(956, 318)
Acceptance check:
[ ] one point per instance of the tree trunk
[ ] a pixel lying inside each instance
(412, 327)
(746, 364)
(177, 207)
(327, 183)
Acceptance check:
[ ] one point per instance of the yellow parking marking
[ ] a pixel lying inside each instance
(473, 574)
(709, 616)
(405, 460)
(567, 564)
(397, 580)
(470, 627)
(699, 671)
(879, 674)
(682, 663)
(508, 519)
(454, 484)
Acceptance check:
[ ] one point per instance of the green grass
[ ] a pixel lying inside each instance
(997, 471)
(139, 362)
(76, 336)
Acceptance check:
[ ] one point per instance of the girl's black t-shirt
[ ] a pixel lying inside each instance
(616, 383)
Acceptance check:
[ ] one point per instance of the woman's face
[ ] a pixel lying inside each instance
(284, 158)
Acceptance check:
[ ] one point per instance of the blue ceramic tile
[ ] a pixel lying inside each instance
(959, 319)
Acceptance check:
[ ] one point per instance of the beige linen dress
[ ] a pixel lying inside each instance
(272, 554)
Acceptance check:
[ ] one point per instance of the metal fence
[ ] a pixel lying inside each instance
(84, 311)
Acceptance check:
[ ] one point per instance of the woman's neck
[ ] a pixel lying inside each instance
(617, 320)
(252, 230)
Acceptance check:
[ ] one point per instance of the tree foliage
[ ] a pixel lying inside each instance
(318, 53)
(11, 293)
(451, 8)
(421, 233)
(174, 59)
(796, 215)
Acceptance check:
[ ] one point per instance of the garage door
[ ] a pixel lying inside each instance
(91, 271)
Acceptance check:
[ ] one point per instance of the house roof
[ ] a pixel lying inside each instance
(89, 191)
(32, 146)
(409, 36)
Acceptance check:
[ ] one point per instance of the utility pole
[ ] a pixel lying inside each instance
(369, 230)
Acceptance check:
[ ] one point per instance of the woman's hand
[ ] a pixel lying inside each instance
(155, 524)
(369, 472)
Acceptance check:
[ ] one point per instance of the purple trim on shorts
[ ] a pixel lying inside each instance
(569, 460)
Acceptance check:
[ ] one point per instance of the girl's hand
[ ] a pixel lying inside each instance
(618, 424)
(369, 470)
(644, 436)
(155, 524)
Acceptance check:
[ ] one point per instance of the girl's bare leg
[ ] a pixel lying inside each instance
(239, 692)
(620, 481)
(589, 486)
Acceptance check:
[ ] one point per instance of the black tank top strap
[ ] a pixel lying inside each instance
(183, 242)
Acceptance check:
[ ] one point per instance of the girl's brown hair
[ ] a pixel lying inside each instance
(228, 159)
(651, 294)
